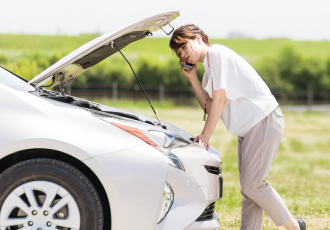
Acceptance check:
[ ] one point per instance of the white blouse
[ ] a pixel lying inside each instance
(249, 99)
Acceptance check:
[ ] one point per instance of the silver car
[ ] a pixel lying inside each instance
(67, 163)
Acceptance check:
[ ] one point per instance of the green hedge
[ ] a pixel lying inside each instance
(285, 69)
(290, 71)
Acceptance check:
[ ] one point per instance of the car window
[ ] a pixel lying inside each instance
(13, 81)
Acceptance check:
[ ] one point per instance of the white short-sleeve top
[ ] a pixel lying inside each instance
(249, 99)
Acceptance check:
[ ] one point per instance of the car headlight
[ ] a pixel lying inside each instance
(167, 201)
(167, 140)
(164, 140)
(159, 140)
(174, 161)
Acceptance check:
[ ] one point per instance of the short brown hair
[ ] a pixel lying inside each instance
(182, 34)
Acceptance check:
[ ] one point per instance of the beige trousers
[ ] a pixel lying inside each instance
(256, 153)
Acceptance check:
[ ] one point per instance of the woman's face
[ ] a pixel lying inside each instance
(191, 51)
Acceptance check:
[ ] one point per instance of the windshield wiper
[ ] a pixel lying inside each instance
(160, 123)
(127, 115)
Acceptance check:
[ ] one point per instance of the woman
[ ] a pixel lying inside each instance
(234, 91)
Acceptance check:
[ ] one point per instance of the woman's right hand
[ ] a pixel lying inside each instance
(188, 73)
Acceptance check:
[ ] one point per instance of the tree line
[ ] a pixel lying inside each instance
(289, 71)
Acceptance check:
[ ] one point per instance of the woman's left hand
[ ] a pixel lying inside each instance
(203, 140)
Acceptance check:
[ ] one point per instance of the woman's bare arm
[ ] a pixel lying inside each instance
(201, 96)
(218, 102)
(191, 75)
(216, 108)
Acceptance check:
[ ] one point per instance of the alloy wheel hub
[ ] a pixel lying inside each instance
(39, 205)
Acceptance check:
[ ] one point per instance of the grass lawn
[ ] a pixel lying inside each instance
(300, 173)
(251, 49)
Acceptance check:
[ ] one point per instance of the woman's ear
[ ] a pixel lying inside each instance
(199, 39)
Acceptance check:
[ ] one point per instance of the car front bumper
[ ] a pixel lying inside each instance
(194, 190)
(134, 181)
(205, 225)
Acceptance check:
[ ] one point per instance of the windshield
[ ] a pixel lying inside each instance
(14, 81)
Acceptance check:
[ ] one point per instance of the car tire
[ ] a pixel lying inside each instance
(41, 177)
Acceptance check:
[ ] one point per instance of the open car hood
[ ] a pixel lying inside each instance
(78, 61)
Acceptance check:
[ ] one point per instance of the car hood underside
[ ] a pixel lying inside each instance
(107, 50)
(91, 53)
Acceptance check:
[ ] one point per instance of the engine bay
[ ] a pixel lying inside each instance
(108, 111)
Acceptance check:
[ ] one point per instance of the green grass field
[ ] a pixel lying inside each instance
(300, 173)
(250, 49)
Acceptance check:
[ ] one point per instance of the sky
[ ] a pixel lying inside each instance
(259, 19)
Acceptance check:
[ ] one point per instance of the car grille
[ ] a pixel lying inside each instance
(212, 169)
(208, 213)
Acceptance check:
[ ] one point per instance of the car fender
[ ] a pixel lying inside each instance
(135, 184)
(25, 117)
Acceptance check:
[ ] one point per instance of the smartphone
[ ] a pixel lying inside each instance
(188, 65)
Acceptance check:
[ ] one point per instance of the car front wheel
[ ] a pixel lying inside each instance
(44, 194)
